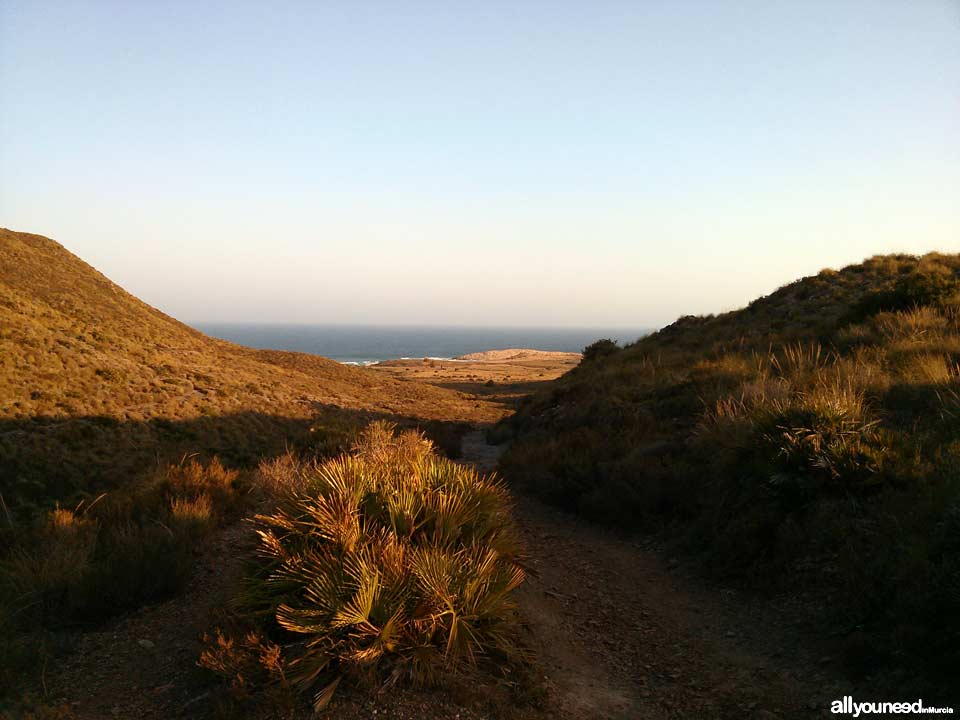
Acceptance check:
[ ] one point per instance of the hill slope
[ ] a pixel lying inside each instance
(808, 441)
(95, 383)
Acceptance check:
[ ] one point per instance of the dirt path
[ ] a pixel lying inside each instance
(621, 633)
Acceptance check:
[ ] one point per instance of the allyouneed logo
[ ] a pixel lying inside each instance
(847, 706)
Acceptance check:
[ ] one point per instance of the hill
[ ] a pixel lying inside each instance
(808, 443)
(95, 384)
(517, 354)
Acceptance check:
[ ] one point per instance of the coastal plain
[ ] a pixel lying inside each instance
(498, 377)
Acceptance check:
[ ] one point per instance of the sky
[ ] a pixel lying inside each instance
(487, 163)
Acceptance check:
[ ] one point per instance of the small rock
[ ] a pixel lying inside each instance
(145, 644)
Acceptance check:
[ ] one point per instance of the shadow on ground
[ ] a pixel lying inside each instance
(46, 460)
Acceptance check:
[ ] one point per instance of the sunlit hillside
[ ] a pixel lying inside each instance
(94, 383)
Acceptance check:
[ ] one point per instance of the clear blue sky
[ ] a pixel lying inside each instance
(522, 163)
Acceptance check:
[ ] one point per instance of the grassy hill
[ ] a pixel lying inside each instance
(809, 442)
(95, 384)
(128, 438)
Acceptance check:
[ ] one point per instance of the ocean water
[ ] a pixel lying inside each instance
(365, 344)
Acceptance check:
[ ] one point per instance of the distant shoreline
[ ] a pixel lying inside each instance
(483, 356)
(369, 363)
(365, 345)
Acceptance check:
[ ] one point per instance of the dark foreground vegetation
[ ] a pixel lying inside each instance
(69, 563)
(810, 441)
(76, 566)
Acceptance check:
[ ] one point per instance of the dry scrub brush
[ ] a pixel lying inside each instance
(388, 563)
(110, 554)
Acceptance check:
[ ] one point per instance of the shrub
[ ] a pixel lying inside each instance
(818, 441)
(192, 517)
(559, 469)
(936, 287)
(39, 578)
(600, 349)
(192, 479)
(390, 562)
(134, 563)
(245, 660)
(933, 286)
(282, 475)
(446, 436)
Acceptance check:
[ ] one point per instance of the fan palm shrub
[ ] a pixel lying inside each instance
(389, 563)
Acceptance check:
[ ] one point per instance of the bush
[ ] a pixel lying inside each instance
(389, 562)
(192, 517)
(922, 287)
(818, 442)
(193, 480)
(133, 564)
(600, 349)
(40, 577)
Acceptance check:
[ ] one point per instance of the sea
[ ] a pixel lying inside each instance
(368, 344)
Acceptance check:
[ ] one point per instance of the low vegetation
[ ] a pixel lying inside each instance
(388, 564)
(77, 566)
(810, 441)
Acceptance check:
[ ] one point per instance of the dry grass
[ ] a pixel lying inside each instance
(501, 378)
(95, 384)
(106, 556)
(75, 344)
(73, 568)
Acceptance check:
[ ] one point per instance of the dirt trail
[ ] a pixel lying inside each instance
(622, 633)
